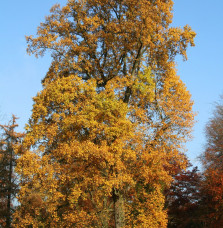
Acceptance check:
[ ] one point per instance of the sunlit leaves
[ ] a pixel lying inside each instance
(107, 130)
(212, 160)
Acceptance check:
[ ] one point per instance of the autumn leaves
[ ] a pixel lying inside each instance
(107, 130)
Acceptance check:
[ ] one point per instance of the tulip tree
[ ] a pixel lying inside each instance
(107, 129)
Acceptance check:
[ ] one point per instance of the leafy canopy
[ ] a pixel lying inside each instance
(107, 130)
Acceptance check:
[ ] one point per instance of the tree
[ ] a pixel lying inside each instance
(107, 129)
(8, 180)
(213, 170)
(184, 199)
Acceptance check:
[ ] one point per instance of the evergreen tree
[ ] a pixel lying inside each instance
(8, 180)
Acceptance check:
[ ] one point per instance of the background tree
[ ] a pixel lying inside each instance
(108, 127)
(183, 199)
(8, 180)
(213, 169)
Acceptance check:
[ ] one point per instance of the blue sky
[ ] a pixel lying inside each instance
(20, 74)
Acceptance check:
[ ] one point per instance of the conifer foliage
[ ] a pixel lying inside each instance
(107, 130)
(8, 180)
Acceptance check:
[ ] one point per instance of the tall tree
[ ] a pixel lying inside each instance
(213, 168)
(107, 129)
(8, 181)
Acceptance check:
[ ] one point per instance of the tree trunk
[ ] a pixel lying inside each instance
(119, 209)
(8, 217)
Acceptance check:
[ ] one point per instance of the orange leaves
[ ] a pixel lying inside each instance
(213, 172)
(89, 142)
(81, 144)
(108, 126)
(178, 39)
(108, 39)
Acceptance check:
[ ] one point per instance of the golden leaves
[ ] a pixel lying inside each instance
(95, 35)
(111, 118)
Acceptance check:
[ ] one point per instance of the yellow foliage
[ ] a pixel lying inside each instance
(107, 129)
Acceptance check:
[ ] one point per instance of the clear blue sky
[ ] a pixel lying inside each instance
(20, 74)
